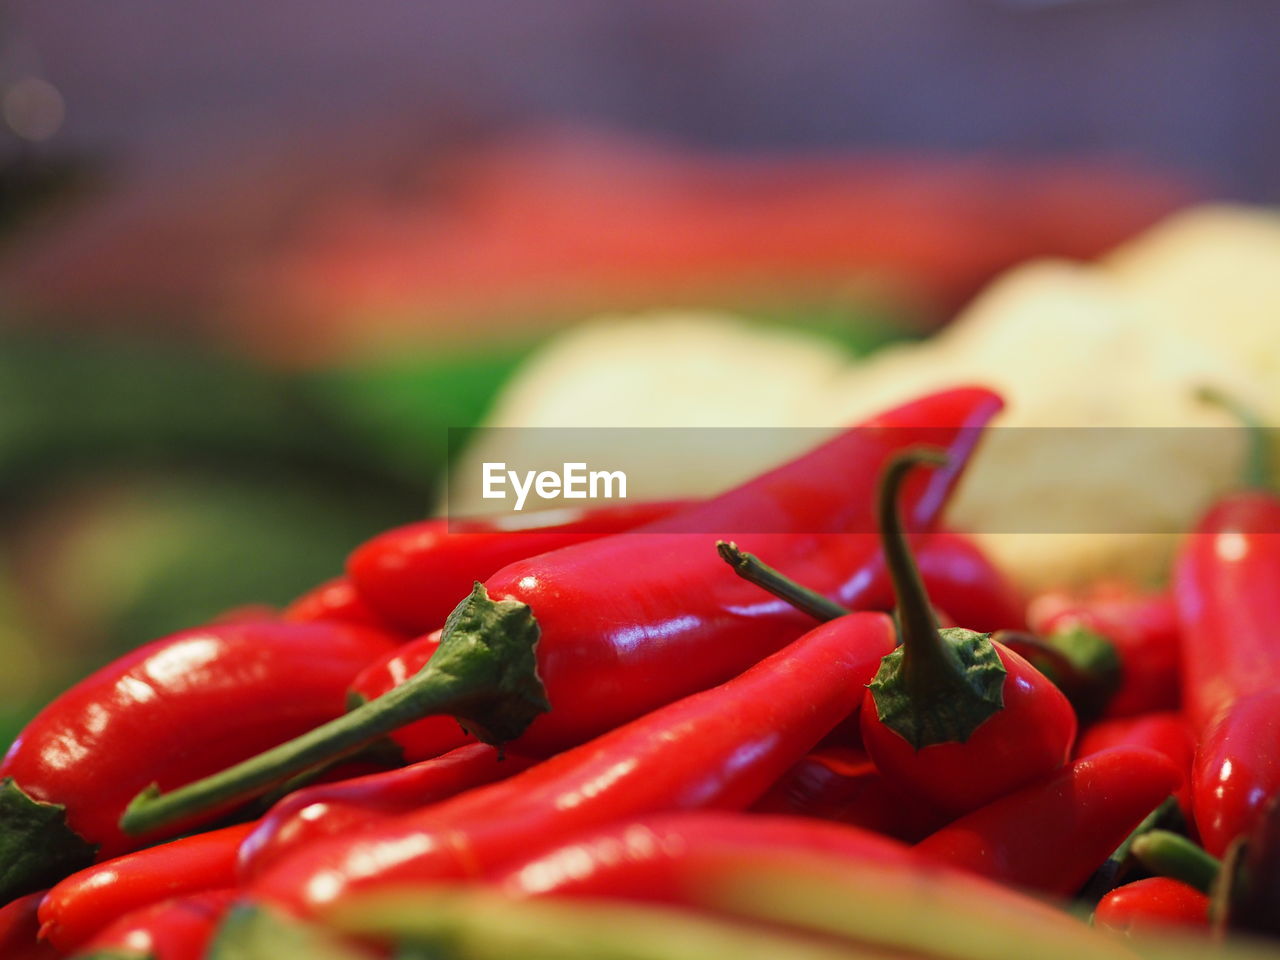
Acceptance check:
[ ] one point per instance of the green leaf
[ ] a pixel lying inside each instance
(37, 848)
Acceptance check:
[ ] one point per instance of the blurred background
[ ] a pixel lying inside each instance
(257, 257)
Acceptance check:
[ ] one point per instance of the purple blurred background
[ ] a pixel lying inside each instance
(1190, 84)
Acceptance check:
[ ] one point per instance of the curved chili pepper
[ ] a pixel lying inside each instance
(952, 716)
(337, 600)
(87, 902)
(1142, 629)
(1051, 836)
(1225, 586)
(625, 624)
(415, 574)
(718, 748)
(177, 929)
(1237, 770)
(841, 784)
(307, 815)
(174, 710)
(20, 931)
(656, 858)
(1152, 905)
(951, 566)
(1165, 733)
(819, 877)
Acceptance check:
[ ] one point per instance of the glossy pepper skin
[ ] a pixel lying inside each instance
(85, 903)
(20, 929)
(414, 575)
(630, 623)
(953, 717)
(953, 568)
(177, 929)
(1049, 837)
(719, 748)
(1225, 585)
(309, 814)
(1237, 770)
(173, 710)
(657, 859)
(1031, 737)
(842, 784)
(1166, 733)
(701, 859)
(1143, 630)
(611, 629)
(1152, 905)
(336, 600)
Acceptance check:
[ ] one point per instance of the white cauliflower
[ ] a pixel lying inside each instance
(1212, 274)
(677, 369)
(1068, 348)
(1125, 344)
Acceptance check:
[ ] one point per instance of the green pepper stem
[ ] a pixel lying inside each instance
(1168, 854)
(926, 657)
(1257, 465)
(484, 673)
(752, 569)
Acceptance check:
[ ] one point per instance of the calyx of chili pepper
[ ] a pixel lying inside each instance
(37, 847)
(752, 569)
(1256, 474)
(1168, 854)
(1080, 662)
(484, 673)
(940, 685)
(1247, 897)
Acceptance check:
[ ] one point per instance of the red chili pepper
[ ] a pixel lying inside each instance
(952, 716)
(172, 711)
(950, 565)
(1152, 905)
(336, 600)
(719, 748)
(1225, 584)
(657, 858)
(415, 574)
(1051, 836)
(86, 902)
(1142, 629)
(1166, 733)
(177, 929)
(322, 811)
(841, 784)
(20, 930)
(626, 624)
(748, 867)
(1237, 770)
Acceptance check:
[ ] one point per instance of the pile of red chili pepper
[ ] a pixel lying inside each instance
(796, 720)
